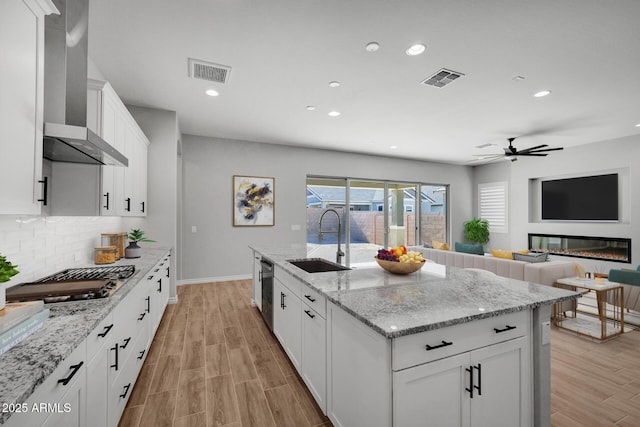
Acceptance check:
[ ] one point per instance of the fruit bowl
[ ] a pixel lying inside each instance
(399, 267)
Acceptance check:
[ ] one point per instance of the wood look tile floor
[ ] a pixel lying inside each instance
(213, 362)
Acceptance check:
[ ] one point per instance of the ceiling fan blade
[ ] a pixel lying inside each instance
(532, 154)
(533, 148)
(547, 149)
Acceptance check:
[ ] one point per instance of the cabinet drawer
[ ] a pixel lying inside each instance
(101, 335)
(314, 300)
(288, 280)
(412, 350)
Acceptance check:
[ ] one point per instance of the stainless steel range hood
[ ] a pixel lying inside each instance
(66, 136)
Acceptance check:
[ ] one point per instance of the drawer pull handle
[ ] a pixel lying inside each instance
(141, 317)
(433, 347)
(309, 298)
(106, 331)
(115, 348)
(149, 277)
(309, 314)
(125, 391)
(65, 381)
(142, 354)
(126, 343)
(508, 328)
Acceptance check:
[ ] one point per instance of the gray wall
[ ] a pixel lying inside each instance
(619, 155)
(217, 250)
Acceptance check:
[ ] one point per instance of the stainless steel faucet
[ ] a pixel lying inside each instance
(339, 253)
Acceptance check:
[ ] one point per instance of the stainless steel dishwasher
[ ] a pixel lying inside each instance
(267, 291)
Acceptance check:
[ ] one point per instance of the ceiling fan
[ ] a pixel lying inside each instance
(512, 152)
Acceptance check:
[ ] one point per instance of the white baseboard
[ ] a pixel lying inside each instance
(213, 279)
(173, 300)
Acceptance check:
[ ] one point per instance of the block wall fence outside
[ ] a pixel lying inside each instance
(42, 245)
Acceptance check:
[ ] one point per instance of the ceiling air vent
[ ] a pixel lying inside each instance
(441, 78)
(209, 71)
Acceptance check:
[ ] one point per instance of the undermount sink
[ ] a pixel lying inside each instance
(317, 265)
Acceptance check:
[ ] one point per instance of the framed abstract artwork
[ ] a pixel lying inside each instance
(253, 201)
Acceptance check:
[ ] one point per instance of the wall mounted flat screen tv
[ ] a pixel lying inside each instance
(588, 198)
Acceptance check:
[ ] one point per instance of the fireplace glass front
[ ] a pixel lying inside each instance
(600, 248)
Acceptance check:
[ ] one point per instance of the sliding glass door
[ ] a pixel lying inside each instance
(371, 215)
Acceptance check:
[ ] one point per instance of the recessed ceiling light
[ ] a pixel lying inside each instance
(372, 46)
(638, 125)
(393, 147)
(334, 84)
(416, 49)
(212, 92)
(334, 113)
(542, 93)
(311, 107)
(518, 78)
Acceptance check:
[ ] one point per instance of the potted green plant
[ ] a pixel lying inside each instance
(7, 271)
(476, 231)
(133, 250)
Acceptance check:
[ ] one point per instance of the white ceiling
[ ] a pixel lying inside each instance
(284, 53)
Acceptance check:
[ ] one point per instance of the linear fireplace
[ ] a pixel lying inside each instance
(600, 248)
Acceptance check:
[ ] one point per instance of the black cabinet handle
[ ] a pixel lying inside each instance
(125, 390)
(167, 271)
(142, 203)
(115, 365)
(149, 277)
(471, 387)
(141, 317)
(309, 298)
(126, 343)
(106, 331)
(106, 197)
(309, 314)
(508, 328)
(479, 386)
(160, 285)
(128, 208)
(45, 190)
(141, 354)
(156, 270)
(148, 304)
(282, 304)
(75, 368)
(433, 347)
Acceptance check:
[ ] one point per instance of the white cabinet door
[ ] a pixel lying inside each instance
(314, 355)
(71, 410)
(287, 325)
(97, 387)
(502, 371)
(257, 281)
(430, 394)
(21, 104)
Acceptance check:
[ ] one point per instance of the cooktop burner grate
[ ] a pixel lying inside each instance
(91, 273)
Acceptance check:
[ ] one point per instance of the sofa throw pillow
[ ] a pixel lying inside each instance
(469, 248)
(439, 245)
(501, 253)
(531, 257)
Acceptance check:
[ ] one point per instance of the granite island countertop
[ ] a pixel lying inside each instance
(28, 364)
(435, 297)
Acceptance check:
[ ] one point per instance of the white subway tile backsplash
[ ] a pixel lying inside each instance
(45, 245)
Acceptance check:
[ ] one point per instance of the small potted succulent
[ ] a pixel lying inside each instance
(7, 270)
(133, 250)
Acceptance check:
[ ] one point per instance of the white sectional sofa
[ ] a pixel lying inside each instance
(545, 273)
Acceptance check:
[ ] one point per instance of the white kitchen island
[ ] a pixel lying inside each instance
(443, 346)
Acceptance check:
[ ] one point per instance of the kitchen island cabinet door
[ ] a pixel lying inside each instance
(21, 104)
(314, 355)
(287, 322)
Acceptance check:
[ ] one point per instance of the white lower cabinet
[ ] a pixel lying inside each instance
(287, 325)
(484, 387)
(314, 354)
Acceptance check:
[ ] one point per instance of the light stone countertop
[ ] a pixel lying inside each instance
(31, 361)
(435, 297)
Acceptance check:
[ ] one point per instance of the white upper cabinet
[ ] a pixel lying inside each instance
(21, 104)
(124, 189)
